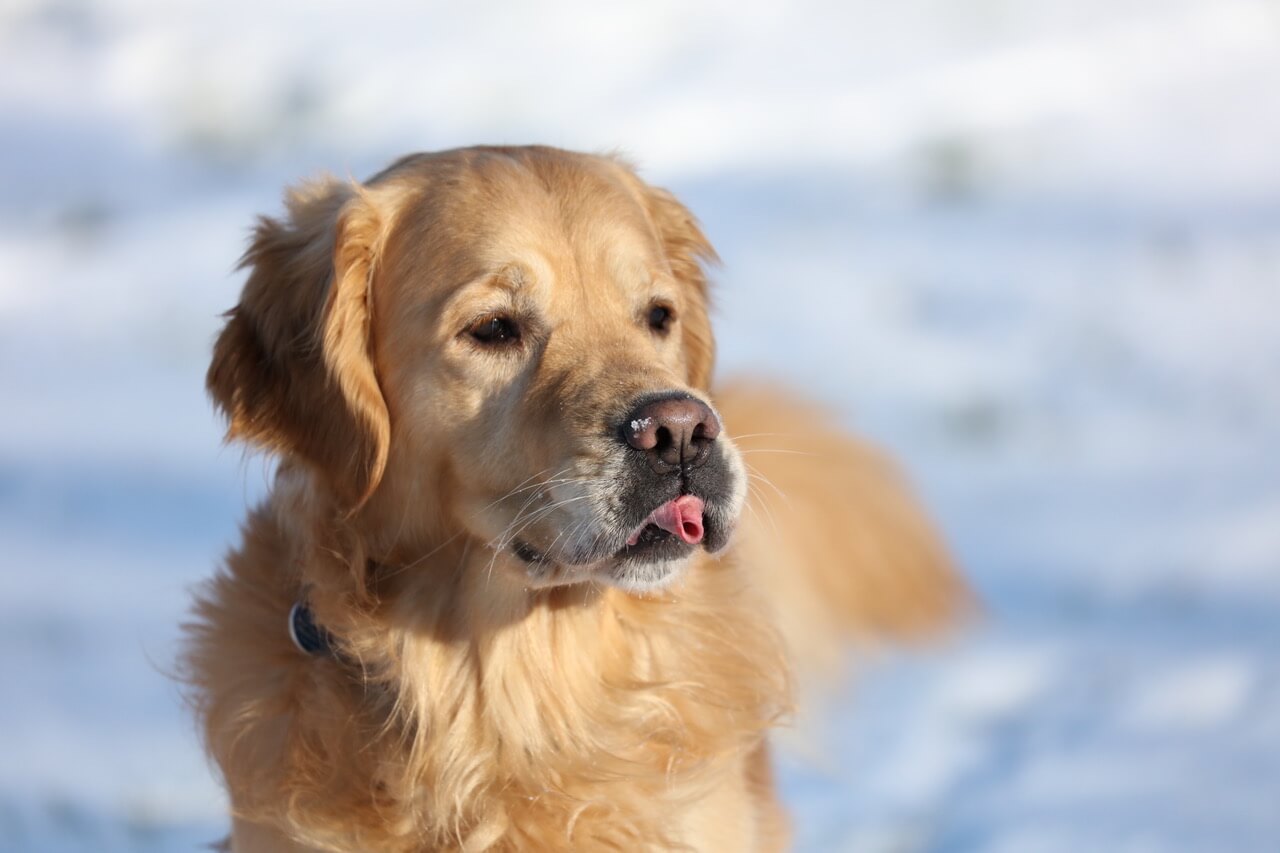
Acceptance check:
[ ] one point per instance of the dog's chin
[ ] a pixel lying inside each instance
(649, 563)
(652, 562)
(632, 576)
(646, 567)
(642, 577)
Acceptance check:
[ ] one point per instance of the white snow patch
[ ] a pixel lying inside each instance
(1198, 694)
(993, 684)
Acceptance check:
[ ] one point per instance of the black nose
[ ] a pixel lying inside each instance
(674, 429)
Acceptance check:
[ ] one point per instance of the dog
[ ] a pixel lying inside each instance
(522, 582)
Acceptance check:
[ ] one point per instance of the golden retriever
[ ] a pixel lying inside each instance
(503, 524)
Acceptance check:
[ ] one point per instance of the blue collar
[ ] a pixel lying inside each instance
(309, 637)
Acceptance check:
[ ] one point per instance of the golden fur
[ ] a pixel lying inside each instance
(474, 702)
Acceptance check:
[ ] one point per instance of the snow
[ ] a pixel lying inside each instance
(1033, 248)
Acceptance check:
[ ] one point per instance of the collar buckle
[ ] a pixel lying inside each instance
(309, 637)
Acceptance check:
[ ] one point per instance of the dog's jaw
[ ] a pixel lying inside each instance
(644, 578)
(628, 575)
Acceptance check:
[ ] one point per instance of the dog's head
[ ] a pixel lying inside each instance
(511, 346)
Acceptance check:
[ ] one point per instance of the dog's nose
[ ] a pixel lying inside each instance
(675, 430)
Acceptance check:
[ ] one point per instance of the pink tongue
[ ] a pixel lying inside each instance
(681, 517)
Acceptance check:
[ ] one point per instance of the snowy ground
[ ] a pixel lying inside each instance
(1032, 247)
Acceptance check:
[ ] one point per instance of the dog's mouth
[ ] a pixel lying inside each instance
(671, 531)
(651, 551)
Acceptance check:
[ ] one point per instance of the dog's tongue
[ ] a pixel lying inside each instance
(681, 517)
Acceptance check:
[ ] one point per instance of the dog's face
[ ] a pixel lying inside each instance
(512, 346)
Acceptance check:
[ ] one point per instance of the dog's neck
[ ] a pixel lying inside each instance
(485, 707)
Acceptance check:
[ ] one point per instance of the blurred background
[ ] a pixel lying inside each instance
(1031, 247)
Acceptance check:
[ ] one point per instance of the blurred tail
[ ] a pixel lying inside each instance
(833, 534)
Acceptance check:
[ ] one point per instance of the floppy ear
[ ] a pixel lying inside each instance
(292, 369)
(688, 252)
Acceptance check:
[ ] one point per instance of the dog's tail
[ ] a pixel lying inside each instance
(833, 534)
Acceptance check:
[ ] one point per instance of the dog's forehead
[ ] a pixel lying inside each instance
(555, 216)
(569, 227)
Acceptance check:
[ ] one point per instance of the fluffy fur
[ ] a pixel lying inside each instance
(477, 700)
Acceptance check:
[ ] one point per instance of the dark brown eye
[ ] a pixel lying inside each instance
(660, 318)
(495, 330)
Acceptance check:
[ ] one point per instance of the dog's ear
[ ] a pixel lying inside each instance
(292, 369)
(688, 252)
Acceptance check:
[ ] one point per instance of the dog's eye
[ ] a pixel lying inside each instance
(495, 330)
(660, 318)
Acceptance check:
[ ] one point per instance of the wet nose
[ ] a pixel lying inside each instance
(674, 429)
